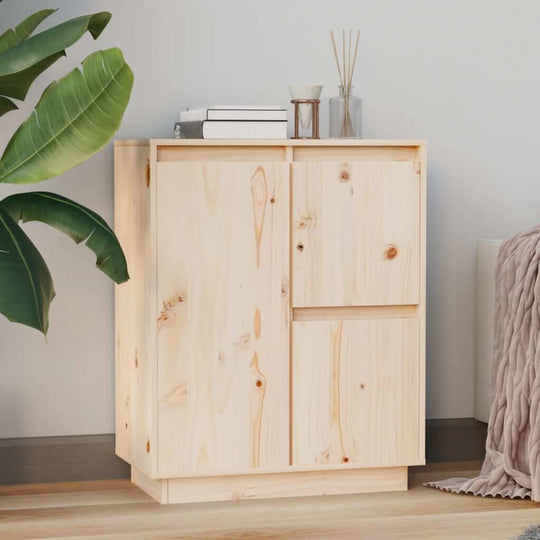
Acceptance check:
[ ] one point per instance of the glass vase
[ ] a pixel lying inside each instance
(345, 115)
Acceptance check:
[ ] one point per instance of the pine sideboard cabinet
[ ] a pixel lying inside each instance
(270, 340)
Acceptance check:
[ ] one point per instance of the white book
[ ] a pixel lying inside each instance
(244, 130)
(226, 129)
(235, 112)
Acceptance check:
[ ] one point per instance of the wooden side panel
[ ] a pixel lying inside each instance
(221, 153)
(422, 156)
(157, 489)
(355, 312)
(354, 153)
(135, 319)
(356, 233)
(356, 393)
(291, 484)
(223, 302)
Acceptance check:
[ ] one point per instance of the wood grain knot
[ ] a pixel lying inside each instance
(305, 222)
(243, 340)
(169, 308)
(345, 459)
(148, 446)
(344, 176)
(362, 386)
(177, 395)
(391, 252)
(258, 383)
(300, 247)
(126, 425)
(272, 200)
(257, 323)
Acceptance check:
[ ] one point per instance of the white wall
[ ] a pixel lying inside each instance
(462, 74)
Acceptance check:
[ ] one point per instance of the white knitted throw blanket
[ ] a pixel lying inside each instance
(512, 464)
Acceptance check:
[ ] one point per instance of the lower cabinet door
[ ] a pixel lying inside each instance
(223, 312)
(356, 393)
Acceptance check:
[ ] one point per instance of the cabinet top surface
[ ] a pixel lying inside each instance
(270, 142)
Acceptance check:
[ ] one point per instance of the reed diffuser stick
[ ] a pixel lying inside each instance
(346, 74)
(336, 56)
(349, 58)
(354, 59)
(344, 63)
(347, 92)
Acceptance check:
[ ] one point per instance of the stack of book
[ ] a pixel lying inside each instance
(233, 122)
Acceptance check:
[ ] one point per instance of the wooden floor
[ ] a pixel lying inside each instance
(118, 510)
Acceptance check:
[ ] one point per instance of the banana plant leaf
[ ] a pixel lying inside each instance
(17, 85)
(26, 27)
(75, 220)
(75, 117)
(22, 31)
(26, 286)
(21, 63)
(9, 39)
(6, 105)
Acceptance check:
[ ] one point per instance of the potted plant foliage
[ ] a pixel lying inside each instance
(75, 117)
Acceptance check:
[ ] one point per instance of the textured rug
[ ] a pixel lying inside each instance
(530, 533)
(511, 466)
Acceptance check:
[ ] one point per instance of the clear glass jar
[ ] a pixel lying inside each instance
(345, 115)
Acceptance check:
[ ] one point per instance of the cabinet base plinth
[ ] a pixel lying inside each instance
(272, 485)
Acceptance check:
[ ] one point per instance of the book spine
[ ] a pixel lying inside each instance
(191, 130)
(255, 115)
(238, 129)
(194, 115)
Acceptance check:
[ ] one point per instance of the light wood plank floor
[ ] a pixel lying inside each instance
(118, 510)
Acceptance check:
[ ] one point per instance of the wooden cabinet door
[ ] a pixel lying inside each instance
(356, 393)
(356, 233)
(223, 270)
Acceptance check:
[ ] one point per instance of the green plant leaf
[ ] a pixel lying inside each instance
(7, 40)
(17, 85)
(26, 27)
(26, 286)
(11, 37)
(21, 63)
(51, 41)
(6, 105)
(75, 220)
(74, 118)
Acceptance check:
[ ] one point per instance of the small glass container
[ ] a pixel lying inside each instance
(345, 115)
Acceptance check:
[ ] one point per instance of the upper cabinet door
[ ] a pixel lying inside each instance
(356, 233)
(223, 305)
